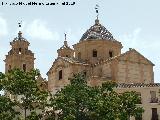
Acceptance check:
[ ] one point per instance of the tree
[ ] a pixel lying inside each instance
(24, 85)
(105, 102)
(78, 101)
(128, 105)
(70, 101)
(7, 109)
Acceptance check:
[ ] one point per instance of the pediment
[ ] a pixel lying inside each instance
(134, 56)
(59, 63)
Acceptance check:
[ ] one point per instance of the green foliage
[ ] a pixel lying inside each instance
(18, 82)
(2, 76)
(7, 109)
(72, 99)
(78, 101)
(129, 101)
(34, 116)
(24, 84)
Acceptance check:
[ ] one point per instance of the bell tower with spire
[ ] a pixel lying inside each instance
(65, 50)
(19, 56)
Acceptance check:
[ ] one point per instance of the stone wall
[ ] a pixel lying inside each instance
(101, 46)
(145, 100)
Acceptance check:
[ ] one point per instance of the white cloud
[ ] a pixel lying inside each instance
(38, 29)
(3, 27)
(131, 39)
(135, 40)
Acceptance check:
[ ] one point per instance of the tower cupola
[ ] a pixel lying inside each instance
(65, 50)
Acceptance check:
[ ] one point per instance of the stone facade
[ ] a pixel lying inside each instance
(19, 56)
(149, 98)
(22, 58)
(98, 55)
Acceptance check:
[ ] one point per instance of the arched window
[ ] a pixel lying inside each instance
(85, 73)
(79, 55)
(60, 74)
(94, 53)
(20, 50)
(24, 67)
(110, 53)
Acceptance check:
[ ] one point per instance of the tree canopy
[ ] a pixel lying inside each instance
(23, 86)
(76, 101)
(7, 109)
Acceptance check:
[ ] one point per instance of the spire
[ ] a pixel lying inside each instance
(65, 41)
(97, 21)
(97, 12)
(65, 36)
(19, 35)
(65, 50)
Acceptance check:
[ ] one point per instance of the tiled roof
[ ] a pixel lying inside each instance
(134, 85)
(65, 47)
(97, 32)
(70, 60)
(73, 60)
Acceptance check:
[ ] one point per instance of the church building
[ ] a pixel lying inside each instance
(98, 55)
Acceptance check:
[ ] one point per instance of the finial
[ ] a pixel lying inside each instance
(19, 35)
(65, 36)
(65, 41)
(97, 11)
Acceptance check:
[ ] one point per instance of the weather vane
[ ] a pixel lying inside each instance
(65, 41)
(20, 24)
(97, 10)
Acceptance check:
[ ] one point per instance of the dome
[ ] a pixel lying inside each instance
(97, 31)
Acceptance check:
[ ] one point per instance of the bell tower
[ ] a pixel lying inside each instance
(65, 50)
(19, 56)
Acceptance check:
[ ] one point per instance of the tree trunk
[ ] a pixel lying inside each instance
(25, 115)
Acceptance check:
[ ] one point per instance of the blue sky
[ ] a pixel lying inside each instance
(135, 23)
